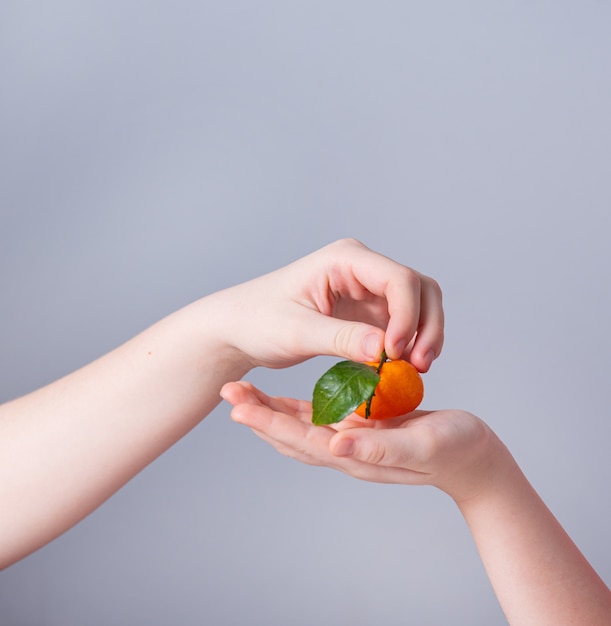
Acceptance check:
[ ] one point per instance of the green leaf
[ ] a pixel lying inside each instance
(341, 389)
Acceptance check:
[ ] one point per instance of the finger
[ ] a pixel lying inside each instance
(286, 432)
(430, 334)
(362, 271)
(238, 392)
(400, 286)
(414, 306)
(408, 300)
(330, 336)
(312, 452)
(244, 392)
(403, 294)
(390, 448)
(300, 440)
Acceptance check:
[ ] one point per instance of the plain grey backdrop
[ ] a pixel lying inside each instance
(151, 153)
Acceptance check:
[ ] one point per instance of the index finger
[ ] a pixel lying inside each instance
(427, 343)
(414, 303)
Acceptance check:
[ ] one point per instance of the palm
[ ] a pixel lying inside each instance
(424, 447)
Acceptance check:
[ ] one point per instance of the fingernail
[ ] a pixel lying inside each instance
(400, 347)
(237, 415)
(345, 447)
(372, 346)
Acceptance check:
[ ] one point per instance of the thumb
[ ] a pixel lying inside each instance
(376, 447)
(355, 341)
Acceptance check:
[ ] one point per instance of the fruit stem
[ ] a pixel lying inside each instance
(368, 405)
(383, 360)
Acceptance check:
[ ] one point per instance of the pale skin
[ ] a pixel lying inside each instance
(67, 447)
(538, 574)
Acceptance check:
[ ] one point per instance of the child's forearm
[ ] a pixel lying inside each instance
(67, 447)
(537, 572)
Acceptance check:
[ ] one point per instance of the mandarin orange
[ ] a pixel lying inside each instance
(399, 391)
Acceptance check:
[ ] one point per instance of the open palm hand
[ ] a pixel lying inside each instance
(424, 447)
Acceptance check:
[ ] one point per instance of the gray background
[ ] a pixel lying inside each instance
(151, 153)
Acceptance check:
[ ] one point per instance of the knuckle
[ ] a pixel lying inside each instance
(409, 276)
(350, 242)
(346, 245)
(344, 338)
(375, 454)
(435, 287)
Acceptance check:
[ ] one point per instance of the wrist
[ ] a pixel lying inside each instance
(212, 337)
(488, 468)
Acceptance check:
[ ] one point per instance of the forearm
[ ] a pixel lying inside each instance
(67, 447)
(538, 574)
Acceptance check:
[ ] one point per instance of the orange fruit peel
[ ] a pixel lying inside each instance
(371, 390)
(399, 391)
